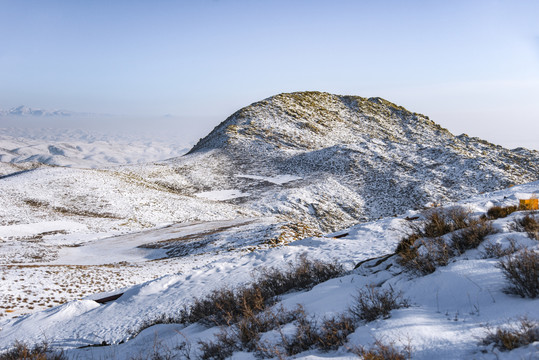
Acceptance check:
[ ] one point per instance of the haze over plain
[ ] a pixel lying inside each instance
(182, 67)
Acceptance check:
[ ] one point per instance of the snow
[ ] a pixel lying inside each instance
(162, 234)
(222, 195)
(82, 149)
(449, 308)
(25, 230)
(278, 180)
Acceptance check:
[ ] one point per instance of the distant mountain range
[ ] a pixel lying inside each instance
(23, 110)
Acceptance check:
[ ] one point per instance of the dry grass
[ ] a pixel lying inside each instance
(22, 351)
(528, 224)
(424, 248)
(522, 272)
(472, 236)
(383, 351)
(497, 212)
(373, 303)
(525, 332)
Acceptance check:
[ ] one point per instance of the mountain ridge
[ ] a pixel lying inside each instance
(351, 154)
(312, 160)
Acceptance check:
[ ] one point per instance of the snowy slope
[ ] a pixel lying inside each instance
(348, 159)
(447, 317)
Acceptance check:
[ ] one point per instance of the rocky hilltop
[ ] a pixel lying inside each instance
(344, 158)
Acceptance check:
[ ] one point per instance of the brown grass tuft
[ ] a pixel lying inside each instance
(373, 303)
(528, 224)
(512, 337)
(497, 212)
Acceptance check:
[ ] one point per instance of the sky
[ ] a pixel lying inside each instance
(471, 66)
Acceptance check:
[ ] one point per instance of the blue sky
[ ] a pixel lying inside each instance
(472, 66)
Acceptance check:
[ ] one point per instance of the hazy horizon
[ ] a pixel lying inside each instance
(471, 66)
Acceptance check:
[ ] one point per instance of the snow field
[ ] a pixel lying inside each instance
(449, 310)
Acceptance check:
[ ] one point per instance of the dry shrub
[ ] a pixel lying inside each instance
(305, 337)
(330, 335)
(22, 351)
(528, 224)
(381, 351)
(373, 303)
(303, 274)
(424, 249)
(522, 272)
(247, 331)
(223, 348)
(406, 245)
(427, 234)
(512, 337)
(497, 250)
(334, 332)
(227, 306)
(443, 221)
(497, 212)
(245, 335)
(472, 236)
(426, 255)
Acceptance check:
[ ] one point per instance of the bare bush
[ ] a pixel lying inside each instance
(302, 274)
(522, 272)
(442, 221)
(305, 336)
(497, 250)
(227, 306)
(472, 236)
(512, 337)
(373, 303)
(426, 255)
(220, 349)
(247, 331)
(22, 351)
(423, 249)
(528, 224)
(334, 332)
(330, 335)
(497, 212)
(382, 351)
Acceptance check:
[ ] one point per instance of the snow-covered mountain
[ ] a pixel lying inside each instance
(23, 110)
(258, 191)
(345, 159)
(316, 160)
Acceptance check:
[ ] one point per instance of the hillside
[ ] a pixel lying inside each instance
(329, 161)
(280, 170)
(448, 312)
